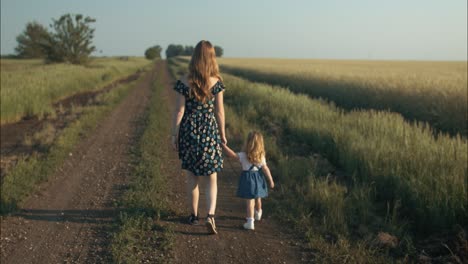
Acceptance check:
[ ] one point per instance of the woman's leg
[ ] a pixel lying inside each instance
(211, 193)
(193, 192)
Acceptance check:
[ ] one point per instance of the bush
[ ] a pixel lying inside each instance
(153, 52)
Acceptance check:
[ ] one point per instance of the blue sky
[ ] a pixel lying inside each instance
(335, 29)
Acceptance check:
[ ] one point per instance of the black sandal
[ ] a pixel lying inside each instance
(193, 219)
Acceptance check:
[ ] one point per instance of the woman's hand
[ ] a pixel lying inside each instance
(272, 184)
(174, 143)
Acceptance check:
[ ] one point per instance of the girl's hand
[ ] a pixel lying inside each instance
(174, 143)
(272, 184)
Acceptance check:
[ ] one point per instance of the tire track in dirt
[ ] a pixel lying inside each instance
(269, 243)
(70, 219)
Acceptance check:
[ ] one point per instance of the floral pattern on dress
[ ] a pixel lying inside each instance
(199, 140)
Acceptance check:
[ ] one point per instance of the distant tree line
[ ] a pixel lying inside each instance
(179, 50)
(174, 50)
(69, 41)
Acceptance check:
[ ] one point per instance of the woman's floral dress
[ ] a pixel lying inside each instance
(199, 141)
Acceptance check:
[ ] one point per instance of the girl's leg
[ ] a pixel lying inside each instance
(211, 193)
(249, 224)
(250, 207)
(258, 209)
(258, 204)
(193, 192)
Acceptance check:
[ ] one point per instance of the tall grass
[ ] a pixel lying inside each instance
(404, 161)
(433, 92)
(28, 88)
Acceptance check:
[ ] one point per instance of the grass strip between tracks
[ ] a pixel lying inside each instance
(139, 237)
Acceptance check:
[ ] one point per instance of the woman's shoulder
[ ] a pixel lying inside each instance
(214, 80)
(184, 80)
(216, 85)
(181, 86)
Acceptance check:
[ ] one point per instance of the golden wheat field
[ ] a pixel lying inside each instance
(424, 91)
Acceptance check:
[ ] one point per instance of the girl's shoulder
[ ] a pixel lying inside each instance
(242, 157)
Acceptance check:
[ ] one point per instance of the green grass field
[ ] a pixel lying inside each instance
(29, 87)
(397, 176)
(433, 92)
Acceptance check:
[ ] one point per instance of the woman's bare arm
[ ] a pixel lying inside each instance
(178, 114)
(219, 112)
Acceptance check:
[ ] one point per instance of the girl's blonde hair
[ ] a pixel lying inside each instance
(202, 66)
(254, 147)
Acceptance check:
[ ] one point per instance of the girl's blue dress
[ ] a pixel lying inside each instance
(252, 184)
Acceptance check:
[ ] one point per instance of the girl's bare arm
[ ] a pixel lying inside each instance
(267, 172)
(229, 152)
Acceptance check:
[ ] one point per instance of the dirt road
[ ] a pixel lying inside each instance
(70, 219)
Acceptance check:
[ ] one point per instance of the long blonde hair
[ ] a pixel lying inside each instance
(254, 147)
(202, 66)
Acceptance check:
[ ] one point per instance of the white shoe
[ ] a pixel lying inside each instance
(249, 225)
(258, 215)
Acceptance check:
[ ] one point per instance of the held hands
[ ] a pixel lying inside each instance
(229, 152)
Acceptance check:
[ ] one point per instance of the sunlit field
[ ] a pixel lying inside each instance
(29, 87)
(395, 176)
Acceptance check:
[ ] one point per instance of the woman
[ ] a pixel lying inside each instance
(198, 128)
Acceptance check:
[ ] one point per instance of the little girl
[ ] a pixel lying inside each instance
(252, 184)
